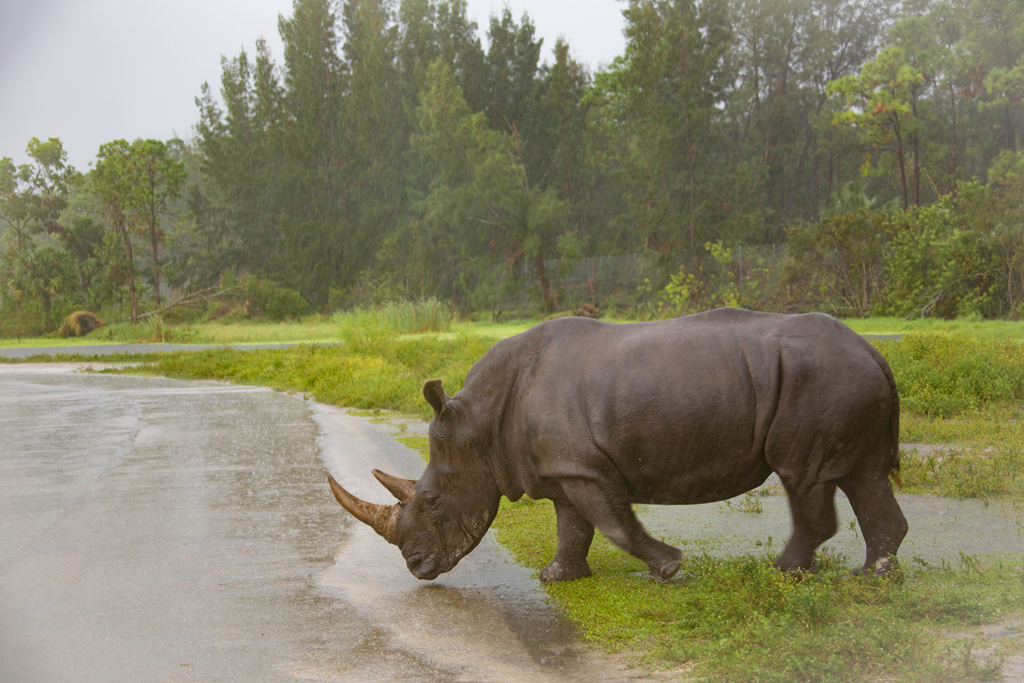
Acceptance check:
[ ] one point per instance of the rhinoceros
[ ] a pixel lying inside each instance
(597, 416)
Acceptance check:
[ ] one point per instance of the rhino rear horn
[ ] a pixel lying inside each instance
(402, 489)
(380, 518)
(434, 393)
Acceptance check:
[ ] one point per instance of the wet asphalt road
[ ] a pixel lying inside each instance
(158, 530)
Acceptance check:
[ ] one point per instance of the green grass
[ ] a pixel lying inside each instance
(313, 329)
(738, 619)
(374, 373)
(988, 329)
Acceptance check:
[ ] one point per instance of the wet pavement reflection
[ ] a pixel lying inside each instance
(153, 529)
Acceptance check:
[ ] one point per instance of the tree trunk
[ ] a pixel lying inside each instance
(956, 150)
(545, 287)
(156, 259)
(902, 165)
(917, 160)
(1011, 142)
(133, 294)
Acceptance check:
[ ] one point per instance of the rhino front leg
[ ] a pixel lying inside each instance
(575, 534)
(606, 507)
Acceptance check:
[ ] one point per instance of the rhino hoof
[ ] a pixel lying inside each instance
(667, 571)
(556, 572)
(877, 569)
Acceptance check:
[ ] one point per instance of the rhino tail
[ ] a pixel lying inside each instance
(894, 416)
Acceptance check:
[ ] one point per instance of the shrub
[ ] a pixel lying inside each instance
(79, 324)
(841, 259)
(256, 297)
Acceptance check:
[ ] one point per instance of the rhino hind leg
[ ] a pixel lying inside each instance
(575, 534)
(607, 509)
(882, 522)
(814, 522)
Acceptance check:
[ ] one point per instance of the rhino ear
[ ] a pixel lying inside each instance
(434, 393)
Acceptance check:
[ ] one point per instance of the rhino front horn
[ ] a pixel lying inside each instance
(402, 489)
(380, 518)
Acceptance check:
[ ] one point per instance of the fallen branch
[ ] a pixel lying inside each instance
(191, 299)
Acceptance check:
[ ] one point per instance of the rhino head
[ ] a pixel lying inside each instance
(441, 516)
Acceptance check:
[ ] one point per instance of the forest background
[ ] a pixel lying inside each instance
(852, 156)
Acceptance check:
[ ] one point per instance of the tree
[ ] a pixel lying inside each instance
(995, 32)
(251, 184)
(158, 178)
(33, 195)
(512, 62)
(880, 103)
(479, 206)
(44, 273)
(666, 93)
(114, 184)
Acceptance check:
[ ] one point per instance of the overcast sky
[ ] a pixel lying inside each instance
(92, 71)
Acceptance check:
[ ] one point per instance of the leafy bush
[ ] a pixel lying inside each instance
(954, 261)
(739, 277)
(256, 297)
(840, 261)
(22, 319)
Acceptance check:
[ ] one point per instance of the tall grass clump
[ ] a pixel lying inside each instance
(398, 317)
(149, 330)
(941, 375)
(413, 317)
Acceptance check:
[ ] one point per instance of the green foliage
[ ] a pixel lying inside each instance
(880, 103)
(840, 261)
(22, 319)
(942, 375)
(386, 155)
(916, 261)
(251, 296)
(662, 97)
(32, 196)
(959, 257)
(414, 317)
(363, 326)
